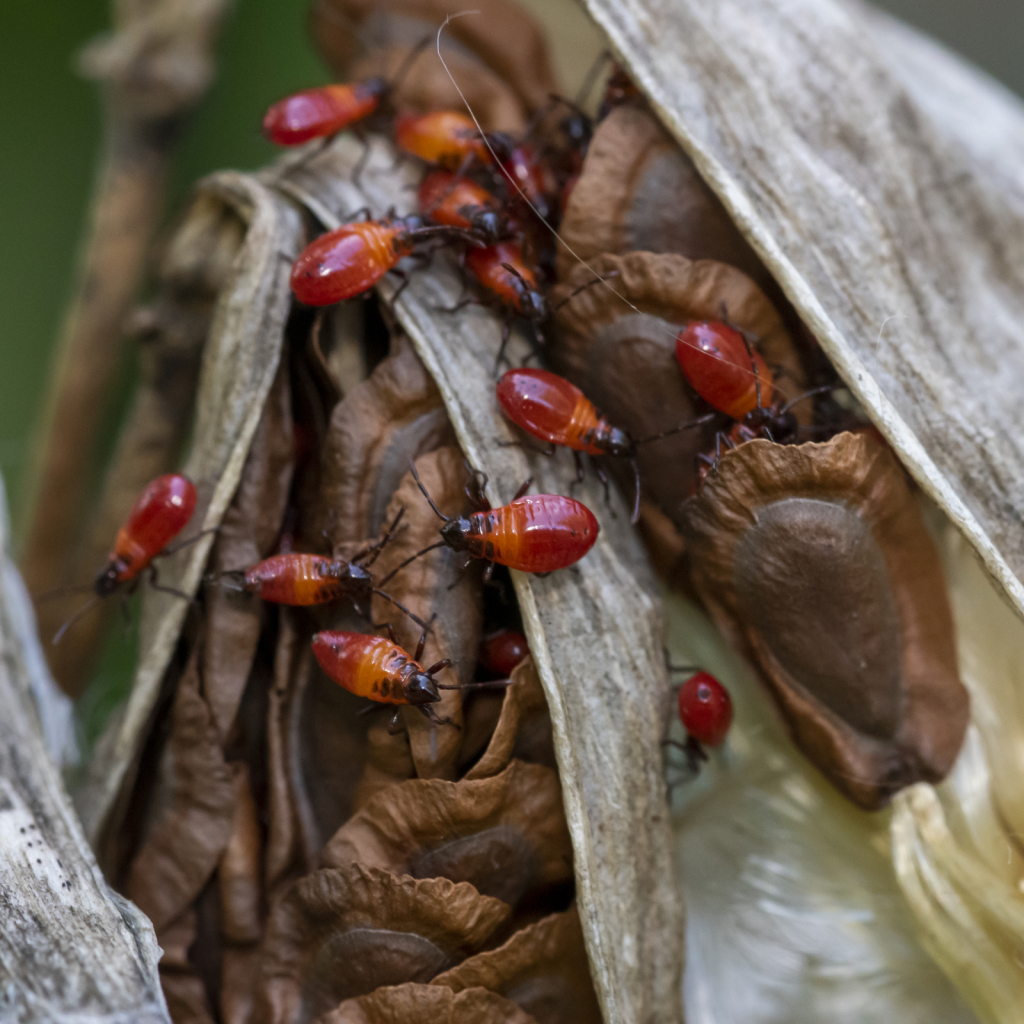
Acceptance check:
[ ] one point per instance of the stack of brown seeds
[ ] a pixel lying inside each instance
(300, 860)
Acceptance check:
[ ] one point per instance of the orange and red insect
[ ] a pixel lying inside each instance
(460, 202)
(373, 667)
(502, 651)
(346, 262)
(303, 579)
(536, 533)
(325, 111)
(161, 512)
(524, 167)
(322, 112)
(445, 138)
(722, 368)
(553, 410)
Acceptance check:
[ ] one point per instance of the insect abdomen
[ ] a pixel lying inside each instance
(295, 579)
(538, 533)
(368, 666)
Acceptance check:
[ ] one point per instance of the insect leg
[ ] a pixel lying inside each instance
(172, 548)
(357, 171)
(401, 607)
(423, 638)
(154, 582)
(389, 628)
(523, 489)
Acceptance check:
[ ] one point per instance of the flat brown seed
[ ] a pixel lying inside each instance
(814, 559)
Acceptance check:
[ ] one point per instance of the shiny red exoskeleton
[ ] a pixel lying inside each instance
(319, 113)
(444, 138)
(533, 533)
(460, 202)
(348, 261)
(161, 512)
(502, 651)
(722, 368)
(705, 709)
(554, 410)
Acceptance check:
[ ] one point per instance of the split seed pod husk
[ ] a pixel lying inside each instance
(506, 835)
(815, 560)
(878, 177)
(422, 1004)
(342, 932)
(625, 363)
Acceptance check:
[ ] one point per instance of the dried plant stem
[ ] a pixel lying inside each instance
(156, 65)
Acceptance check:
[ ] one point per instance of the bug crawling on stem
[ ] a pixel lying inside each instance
(553, 410)
(377, 668)
(297, 578)
(537, 533)
(159, 514)
(348, 261)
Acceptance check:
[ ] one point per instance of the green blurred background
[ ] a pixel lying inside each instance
(50, 132)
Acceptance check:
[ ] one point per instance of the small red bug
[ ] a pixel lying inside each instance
(159, 514)
(445, 138)
(537, 533)
(325, 111)
(552, 409)
(705, 709)
(524, 167)
(303, 579)
(462, 203)
(344, 263)
(502, 651)
(370, 666)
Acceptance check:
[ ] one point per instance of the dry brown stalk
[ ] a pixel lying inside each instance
(155, 66)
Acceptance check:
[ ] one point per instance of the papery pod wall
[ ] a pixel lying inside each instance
(595, 635)
(876, 177)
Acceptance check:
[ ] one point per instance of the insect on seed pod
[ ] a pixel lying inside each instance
(625, 361)
(815, 561)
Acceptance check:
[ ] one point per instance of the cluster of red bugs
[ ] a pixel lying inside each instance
(465, 197)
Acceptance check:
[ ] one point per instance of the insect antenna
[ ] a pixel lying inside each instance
(237, 577)
(487, 685)
(406, 66)
(582, 288)
(49, 595)
(398, 604)
(699, 421)
(823, 390)
(419, 484)
(412, 558)
(603, 58)
(88, 607)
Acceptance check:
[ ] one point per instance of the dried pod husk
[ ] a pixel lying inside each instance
(639, 192)
(342, 932)
(422, 1004)
(625, 363)
(815, 560)
(240, 888)
(505, 835)
(524, 728)
(184, 846)
(543, 968)
(443, 583)
(183, 987)
(248, 533)
(500, 34)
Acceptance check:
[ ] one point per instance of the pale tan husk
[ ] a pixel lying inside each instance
(879, 179)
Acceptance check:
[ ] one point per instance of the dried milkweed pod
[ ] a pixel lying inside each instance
(543, 968)
(422, 1004)
(500, 34)
(815, 560)
(342, 932)
(639, 192)
(506, 834)
(524, 728)
(625, 363)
